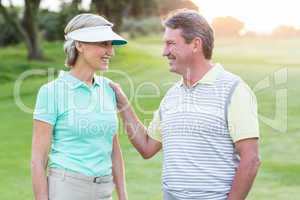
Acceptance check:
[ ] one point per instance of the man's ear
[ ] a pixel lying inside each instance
(79, 46)
(197, 44)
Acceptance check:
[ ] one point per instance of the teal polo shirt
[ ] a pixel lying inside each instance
(84, 120)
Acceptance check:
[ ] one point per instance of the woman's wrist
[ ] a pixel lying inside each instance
(121, 192)
(123, 196)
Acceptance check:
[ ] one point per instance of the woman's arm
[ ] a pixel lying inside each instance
(41, 140)
(118, 170)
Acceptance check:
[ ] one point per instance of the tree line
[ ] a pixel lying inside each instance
(31, 24)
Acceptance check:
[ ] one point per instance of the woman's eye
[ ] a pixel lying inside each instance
(105, 43)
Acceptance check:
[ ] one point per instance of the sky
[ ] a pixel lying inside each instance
(258, 15)
(261, 16)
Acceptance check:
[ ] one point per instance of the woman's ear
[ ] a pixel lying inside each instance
(79, 46)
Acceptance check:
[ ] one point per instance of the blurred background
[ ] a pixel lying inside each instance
(258, 40)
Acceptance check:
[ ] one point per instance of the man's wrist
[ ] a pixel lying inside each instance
(43, 198)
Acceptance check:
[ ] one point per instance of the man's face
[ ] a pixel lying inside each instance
(178, 52)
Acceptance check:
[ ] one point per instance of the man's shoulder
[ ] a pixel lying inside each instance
(174, 89)
(227, 81)
(235, 82)
(228, 75)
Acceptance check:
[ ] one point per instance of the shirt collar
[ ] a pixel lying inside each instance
(74, 82)
(209, 77)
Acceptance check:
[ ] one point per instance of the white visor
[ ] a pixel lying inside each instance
(96, 34)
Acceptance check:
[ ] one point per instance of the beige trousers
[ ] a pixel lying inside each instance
(63, 185)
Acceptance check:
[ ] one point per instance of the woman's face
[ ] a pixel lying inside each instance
(97, 54)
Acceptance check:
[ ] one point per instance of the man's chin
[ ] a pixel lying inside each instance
(173, 69)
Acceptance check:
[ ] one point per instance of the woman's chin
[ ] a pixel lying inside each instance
(102, 67)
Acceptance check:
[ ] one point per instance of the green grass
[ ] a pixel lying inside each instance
(252, 59)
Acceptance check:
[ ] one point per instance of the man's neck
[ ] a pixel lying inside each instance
(196, 73)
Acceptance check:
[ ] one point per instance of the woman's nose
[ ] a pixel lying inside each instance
(110, 50)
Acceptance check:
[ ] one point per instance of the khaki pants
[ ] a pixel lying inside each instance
(63, 185)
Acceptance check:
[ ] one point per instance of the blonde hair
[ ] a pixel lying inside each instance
(80, 21)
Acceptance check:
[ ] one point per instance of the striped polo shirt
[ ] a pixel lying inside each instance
(199, 156)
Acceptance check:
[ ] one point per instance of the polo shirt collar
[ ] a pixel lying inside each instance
(97, 80)
(210, 76)
(74, 82)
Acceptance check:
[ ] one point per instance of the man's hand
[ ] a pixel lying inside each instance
(122, 100)
(136, 131)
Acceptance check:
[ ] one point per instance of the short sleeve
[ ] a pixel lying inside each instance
(154, 129)
(242, 114)
(108, 89)
(45, 107)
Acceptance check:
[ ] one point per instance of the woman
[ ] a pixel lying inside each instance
(75, 117)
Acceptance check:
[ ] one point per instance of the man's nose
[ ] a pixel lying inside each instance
(166, 51)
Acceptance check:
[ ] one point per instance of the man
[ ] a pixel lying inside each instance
(206, 124)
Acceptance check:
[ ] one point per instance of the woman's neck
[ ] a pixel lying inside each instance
(83, 73)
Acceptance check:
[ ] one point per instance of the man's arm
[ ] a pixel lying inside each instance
(137, 133)
(247, 149)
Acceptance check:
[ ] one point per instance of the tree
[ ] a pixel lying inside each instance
(227, 26)
(27, 27)
(286, 31)
(30, 25)
(7, 33)
(165, 6)
(111, 9)
(142, 8)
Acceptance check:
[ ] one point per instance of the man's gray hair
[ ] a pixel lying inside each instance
(192, 25)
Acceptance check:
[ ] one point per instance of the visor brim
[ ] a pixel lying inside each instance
(96, 34)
